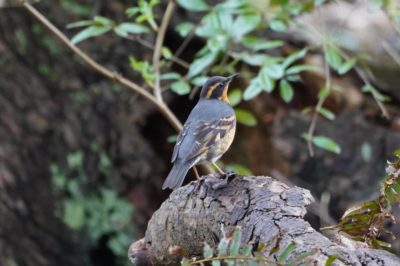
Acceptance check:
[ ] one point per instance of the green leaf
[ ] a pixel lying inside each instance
(286, 90)
(144, 68)
(333, 58)
(216, 263)
(75, 160)
(223, 247)
(326, 113)
(124, 29)
(207, 251)
(201, 64)
(180, 87)
(244, 24)
(330, 260)
(89, 32)
(184, 28)
(307, 110)
(194, 5)
(185, 262)
(274, 71)
(247, 250)
(294, 57)
(103, 21)
(171, 75)
(238, 168)
(323, 93)
(166, 52)
(397, 153)
(81, 23)
(210, 25)
(252, 90)
(326, 144)
(172, 138)
(74, 7)
(266, 83)
(256, 44)
(277, 25)
(235, 243)
(300, 68)
(245, 117)
(235, 96)
(253, 59)
(225, 22)
(199, 81)
(293, 78)
(231, 5)
(217, 43)
(346, 66)
(73, 215)
(132, 11)
(286, 253)
(375, 93)
(366, 151)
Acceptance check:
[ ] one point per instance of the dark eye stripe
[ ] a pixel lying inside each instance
(212, 88)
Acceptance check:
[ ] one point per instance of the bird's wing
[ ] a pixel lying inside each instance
(207, 134)
(179, 140)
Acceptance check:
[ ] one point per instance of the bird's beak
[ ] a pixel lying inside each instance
(229, 79)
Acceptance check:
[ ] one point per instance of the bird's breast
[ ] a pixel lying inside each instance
(220, 146)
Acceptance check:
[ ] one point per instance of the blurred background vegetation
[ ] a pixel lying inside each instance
(83, 159)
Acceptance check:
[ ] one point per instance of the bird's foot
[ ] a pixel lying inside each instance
(228, 175)
(204, 184)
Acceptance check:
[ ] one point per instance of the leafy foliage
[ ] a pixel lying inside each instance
(366, 221)
(229, 252)
(232, 33)
(95, 213)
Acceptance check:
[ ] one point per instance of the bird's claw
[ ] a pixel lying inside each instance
(228, 175)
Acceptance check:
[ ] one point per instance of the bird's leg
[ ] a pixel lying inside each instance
(196, 173)
(218, 169)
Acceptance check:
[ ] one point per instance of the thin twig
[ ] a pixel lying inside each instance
(321, 100)
(392, 52)
(149, 45)
(158, 47)
(185, 42)
(161, 106)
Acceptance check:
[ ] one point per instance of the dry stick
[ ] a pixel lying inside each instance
(161, 106)
(158, 47)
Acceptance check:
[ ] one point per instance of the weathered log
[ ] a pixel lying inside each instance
(267, 211)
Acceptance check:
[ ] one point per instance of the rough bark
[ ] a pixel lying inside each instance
(267, 210)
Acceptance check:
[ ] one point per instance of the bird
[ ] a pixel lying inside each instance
(207, 133)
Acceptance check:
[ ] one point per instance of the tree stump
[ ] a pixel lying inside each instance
(268, 212)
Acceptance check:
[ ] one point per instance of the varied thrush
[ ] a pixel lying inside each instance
(207, 133)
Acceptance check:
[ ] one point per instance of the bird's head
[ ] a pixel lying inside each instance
(217, 88)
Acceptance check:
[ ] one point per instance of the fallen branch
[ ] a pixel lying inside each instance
(268, 212)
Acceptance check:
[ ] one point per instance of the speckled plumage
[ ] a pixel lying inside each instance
(207, 133)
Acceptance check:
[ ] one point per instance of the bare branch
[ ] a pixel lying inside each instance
(161, 106)
(158, 47)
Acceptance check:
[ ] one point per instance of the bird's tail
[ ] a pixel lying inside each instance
(176, 176)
